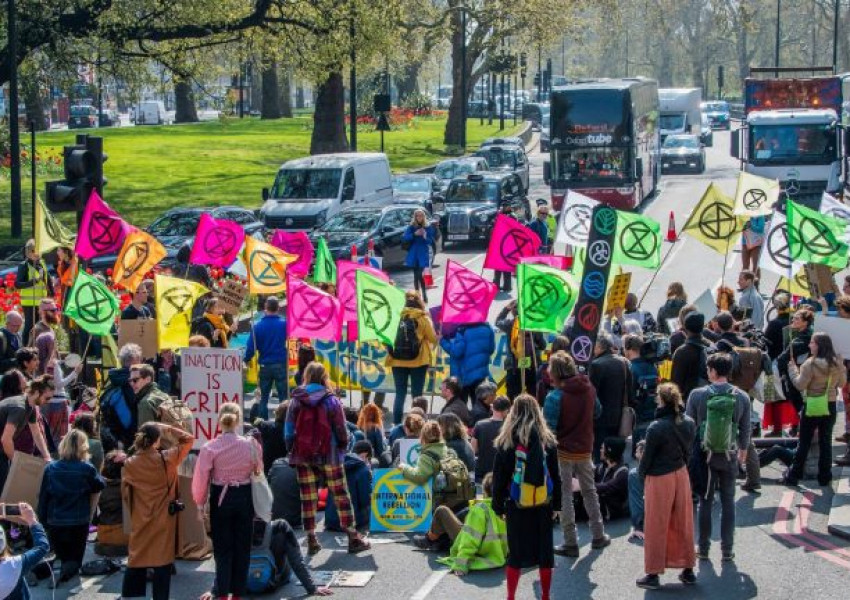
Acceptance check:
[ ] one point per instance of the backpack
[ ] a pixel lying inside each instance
(313, 431)
(531, 485)
(114, 410)
(452, 485)
(263, 575)
(656, 348)
(719, 430)
(646, 390)
(407, 344)
(746, 367)
(173, 411)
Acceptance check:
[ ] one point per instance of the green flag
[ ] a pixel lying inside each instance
(814, 237)
(324, 270)
(637, 241)
(546, 297)
(92, 305)
(379, 307)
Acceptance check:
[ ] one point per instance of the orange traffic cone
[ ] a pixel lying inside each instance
(568, 254)
(353, 253)
(671, 229)
(428, 279)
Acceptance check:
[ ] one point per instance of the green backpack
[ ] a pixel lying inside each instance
(453, 486)
(719, 431)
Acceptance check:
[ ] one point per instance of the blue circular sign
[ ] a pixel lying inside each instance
(594, 285)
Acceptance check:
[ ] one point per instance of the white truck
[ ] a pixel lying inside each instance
(792, 133)
(679, 111)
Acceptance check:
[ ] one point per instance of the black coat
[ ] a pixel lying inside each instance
(611, 376)
(668, 443)
(670, 310)
(689, 369)
(530, 541)
(774, 335)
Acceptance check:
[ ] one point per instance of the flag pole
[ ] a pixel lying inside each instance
(348, 362)
(433, 368)
(725, 260)
(658, 270)
(522, 358)
(360, 372)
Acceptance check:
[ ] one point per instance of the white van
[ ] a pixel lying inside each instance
(308, 191)
(151, 112)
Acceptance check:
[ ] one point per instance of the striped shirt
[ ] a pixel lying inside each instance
(225, 461)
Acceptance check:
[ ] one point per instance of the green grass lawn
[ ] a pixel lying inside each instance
(151, 169)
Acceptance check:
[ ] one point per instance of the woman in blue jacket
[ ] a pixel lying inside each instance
(419, 236)
(469, 350)
(14, 569)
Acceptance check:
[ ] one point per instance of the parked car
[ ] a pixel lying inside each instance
(718, 113)
(110, 118)
(544, 133)
(682, 152)
(453, 168)
(706, 136)
(151, 112)
(356, 225)
(472, 202)
(82, 116)
(507, 158)
(308, 191)
(504, 141)
(534, 111)
(414, 188)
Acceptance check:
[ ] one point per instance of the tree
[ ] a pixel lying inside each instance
(270, 108)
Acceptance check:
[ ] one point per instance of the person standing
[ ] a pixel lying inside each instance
(676, 300)
(569, 413)
(213, 326)
(751, 243)
(722, 416)
(64, 501)
(451, 392)
(48, 320)
(268, 339)
(611, 377)
(502, 279)
(821, 375)
(644, 385)
(796, 351)
(633, 312)
(419, 237)
(469, 351)
(750, 301)
(668, 507)
(149, 491)
(689, 359)
(148, 395)
(529, 529)
(138, 307)
(484, 435)
(316, 437)
(66, 268)
(540, 227)
(35, 284)
(410, 361)
(223, 475)
(19, 412)
(11, 341)
(117, 402)
(525, 348)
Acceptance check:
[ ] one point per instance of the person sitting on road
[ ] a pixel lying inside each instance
(453, 395)
(482, 403)
(426, 466)
(420, 407)
(457, 439)
(412, 424)
(371, 423)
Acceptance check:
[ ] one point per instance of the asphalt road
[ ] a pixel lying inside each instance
(782, 547)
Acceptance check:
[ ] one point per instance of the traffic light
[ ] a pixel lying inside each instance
(523, 60)
(83, 173)
(537, 79)
(720, 76)
(548, 74)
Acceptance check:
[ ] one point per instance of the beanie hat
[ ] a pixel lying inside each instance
(694, 322)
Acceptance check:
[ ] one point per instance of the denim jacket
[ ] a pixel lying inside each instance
(66, 490)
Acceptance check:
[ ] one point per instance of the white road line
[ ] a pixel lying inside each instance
(429, 585)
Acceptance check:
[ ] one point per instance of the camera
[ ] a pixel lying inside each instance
(175, 506)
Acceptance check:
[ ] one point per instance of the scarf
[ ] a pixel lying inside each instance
(219, 323)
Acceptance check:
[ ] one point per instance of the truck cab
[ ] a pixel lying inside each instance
(679, 111)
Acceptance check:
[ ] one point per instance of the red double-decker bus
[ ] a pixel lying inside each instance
(604, 141)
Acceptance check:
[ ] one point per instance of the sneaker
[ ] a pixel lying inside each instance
(567, 550)
(688, 577)
(751, 488)
(422, 542)
(649, 582)
(602, 542)
(843, 460)
(357, 544)
(313, 545)
(844, 437)
(728, 557)
(702, 554)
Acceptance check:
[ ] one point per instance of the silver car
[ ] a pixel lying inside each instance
(507, 158)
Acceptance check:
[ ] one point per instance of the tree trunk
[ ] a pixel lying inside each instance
(299, 96)
(407, 83)
(31, 95)
(270, 93)
(454, 125)
(329, 117)
(184, 100)
(286, 95)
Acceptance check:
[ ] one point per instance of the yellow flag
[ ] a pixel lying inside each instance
(713, 221)
(139, 254)
(798, 286)
(755, 196)
(266, 267)
(174, 301)
(49, 232)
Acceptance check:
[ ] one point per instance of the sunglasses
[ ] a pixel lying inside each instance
(134, 379)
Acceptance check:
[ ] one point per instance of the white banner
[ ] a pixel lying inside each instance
(574, 225)
(838, 329)
(755, 196)
(209, 378)
(776, 251)
(832, 206)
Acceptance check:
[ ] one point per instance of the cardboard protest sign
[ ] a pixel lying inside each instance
(141, 332)
(618, 291)
(399, 504)
(23, 482)
(706, 305)
(838, 329)
(408, 451)
(210, 377)
(231, 296)
(820, 280)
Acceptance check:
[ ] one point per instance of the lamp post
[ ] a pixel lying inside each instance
(464, 95)
(352, 79)
(776, 53)
(835, 36)
(14, 126)
(502, 85)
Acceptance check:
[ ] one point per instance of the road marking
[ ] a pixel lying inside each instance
(800, 535)
(429, 585)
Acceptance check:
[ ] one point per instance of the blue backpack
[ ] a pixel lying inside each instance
(262, 569)
(113, 405)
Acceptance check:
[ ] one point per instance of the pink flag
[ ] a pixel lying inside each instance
(346, 286)
(466, 296)
(509, 242)
(299, 244)
(217, 242)
(102, 230)
(556, 262)
(312, 313)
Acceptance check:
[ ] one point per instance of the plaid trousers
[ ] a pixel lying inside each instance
(308, 485)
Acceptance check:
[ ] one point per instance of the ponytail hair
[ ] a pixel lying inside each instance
(229, 416)
(671, 396)
(147, 435)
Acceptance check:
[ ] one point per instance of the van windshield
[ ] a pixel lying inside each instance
(305, 184)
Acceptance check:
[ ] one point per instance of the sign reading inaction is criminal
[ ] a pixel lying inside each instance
(210, 377)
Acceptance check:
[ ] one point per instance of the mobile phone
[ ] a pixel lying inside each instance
(11, 510)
